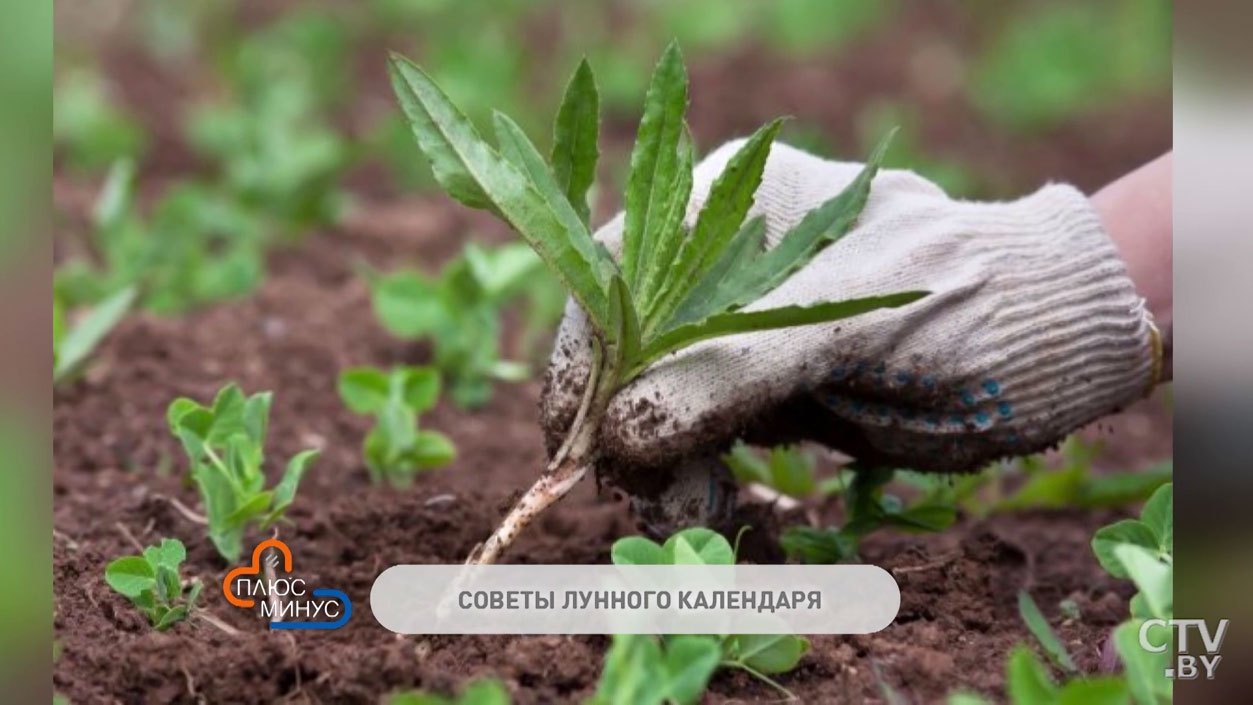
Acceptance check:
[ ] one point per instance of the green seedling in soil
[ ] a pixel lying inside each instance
(87, 127)
(152, 584)
(1141, 550)
(756, 654)
(196, 247)
(786, 469)
(460, 311)
(868, 508)
(484, 692)
(396, 449)
(224, 444)
(645, 670)
(73, 344)
(670, 287)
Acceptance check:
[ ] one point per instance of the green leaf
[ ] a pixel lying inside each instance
(1027, 680)
(719, 221)
(637, 550)
(819, 228)
(254, 506)
(791, 471)
(768, 319)
(654, 162)
(574, 139)
(634, 673)
(116, 196)
(698, 546)
(625, 341)
(408, 305)
(1126, 531)
(1144, 671)
(1093, 691)
(170, 618)
(364, 390)
(285, 491)
(1154, 578)
(1159, 516)
(448, 138)
(193, 593)
(432, 449)
(924, 517)
(1044, 633)
(169, 554)
(746, 465)
(517, 148)
(818, 546)
(768, 653)
(664, 243)
(484, 692)
(81, 339)
(130, 576)
(419, 387)
(743, 249)
(689, 662)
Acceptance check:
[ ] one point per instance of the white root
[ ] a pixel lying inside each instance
(548, 489)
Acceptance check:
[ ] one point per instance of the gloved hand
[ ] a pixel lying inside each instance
(1032, 329)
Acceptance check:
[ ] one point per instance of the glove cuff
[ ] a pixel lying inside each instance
(1069, 339)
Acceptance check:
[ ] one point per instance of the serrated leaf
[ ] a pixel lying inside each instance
(663, 244)
(518, 149)
(730, 197)
(575, 134)
(82, 338)
(448, 137)
(768, 319)
(745, 247)
(818, 229)
(654, 161)
(1039, 626)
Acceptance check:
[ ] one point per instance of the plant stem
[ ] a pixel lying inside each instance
(568, 466)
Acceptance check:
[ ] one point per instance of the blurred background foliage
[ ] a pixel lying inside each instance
(254, 123)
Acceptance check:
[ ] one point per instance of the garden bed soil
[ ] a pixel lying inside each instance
(117, 465)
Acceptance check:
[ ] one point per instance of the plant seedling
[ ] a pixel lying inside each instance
(671, 286)
(395, 449)
(71, 345)
(460, 312)
(151, 583)
(787, 469)
(224, 443)
(869, 508)
(484, 692)
(757, 654)
(645, 670)
(196, 247)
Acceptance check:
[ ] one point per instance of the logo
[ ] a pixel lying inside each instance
(286, 601)
(1185, 663)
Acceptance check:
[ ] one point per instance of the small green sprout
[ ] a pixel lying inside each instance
(672, 286)
(152, 584)
(484, 692)
(757, 654)
(224, 443)
(396, 449)
(787, 469)
(88, 127)
(868, 508)
(194, 248)
(645, 670)
(71, 345)
(460, 309)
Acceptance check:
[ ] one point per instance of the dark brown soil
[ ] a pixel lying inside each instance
(116, 463)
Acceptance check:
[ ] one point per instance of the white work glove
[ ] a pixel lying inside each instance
(1032, 329)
